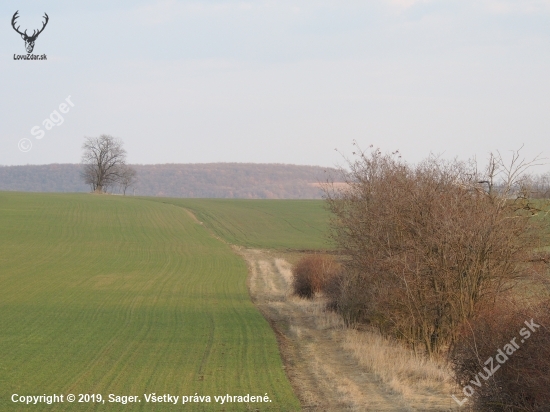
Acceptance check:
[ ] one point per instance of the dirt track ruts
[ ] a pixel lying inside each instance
(324, 376)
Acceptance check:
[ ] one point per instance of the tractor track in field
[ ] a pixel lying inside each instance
(324, 376)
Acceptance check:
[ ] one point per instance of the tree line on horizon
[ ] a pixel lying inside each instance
(206, 180)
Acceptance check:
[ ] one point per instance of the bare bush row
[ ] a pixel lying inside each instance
(432, 253)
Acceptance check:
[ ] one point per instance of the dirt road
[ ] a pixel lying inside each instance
(325, 376)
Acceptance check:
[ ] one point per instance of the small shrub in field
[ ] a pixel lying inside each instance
(312, 273)
(518, 377)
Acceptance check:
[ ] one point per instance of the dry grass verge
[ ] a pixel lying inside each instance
(398, 366)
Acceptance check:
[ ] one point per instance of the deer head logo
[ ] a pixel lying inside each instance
(29, 40)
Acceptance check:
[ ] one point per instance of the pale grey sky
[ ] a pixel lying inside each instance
(277, 81)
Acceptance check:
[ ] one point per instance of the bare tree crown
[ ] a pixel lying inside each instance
(104, 164)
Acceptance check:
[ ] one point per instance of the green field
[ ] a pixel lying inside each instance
(127, 296)
(274, 224)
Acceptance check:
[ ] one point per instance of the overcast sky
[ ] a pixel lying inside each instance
(277, 81)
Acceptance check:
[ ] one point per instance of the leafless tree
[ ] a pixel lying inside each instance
(103, 161)
(535, 186)
(428, 245)
(127, 178)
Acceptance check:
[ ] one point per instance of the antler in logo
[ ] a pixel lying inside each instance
(29, 40)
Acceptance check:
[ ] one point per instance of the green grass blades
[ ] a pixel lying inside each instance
(274, 224)
(113, 295)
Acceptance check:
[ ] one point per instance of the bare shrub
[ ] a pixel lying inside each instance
(348, 294)
(312, 273)
(519, 378)
(428, 245)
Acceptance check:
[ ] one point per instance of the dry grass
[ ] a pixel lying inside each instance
(285, 269)
(407, 374)
(398, 366)
(324, 319)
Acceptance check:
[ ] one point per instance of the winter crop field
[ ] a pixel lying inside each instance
(106, 296)
(272, 224)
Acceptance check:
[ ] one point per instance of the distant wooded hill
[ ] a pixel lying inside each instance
(209, 180)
